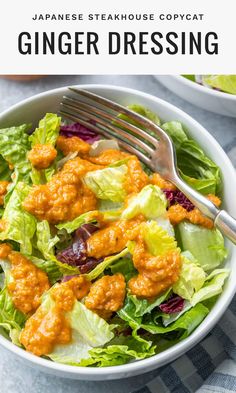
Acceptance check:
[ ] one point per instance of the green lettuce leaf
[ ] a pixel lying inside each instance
(206, 245)
(11, 319)
(45, 241)
(157, 239)
(20, 225)
(204, 186)
(151, 202)
(47, 131)
(143, 111)
(114, 355)
(50, 267)
(14, 146)
(88, 331)
(192, 277)
(5, 173)
(124, 266)
(144, 306)
(128, 314)
(111, 210)
(226, 83)
(190, 77)
(108, 183)
(184, 326)
(71, 226)
(213, 286)
(108, 261)
(175, 130)
(193, 162)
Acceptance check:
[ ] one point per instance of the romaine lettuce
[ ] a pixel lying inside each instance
(225, 83)
(213, 286)
(124, 266)
(143, 111)
(14, 146)
(151, 202)
(20, 225)
(45, 241)
(71, 226)
(114, 355)
(47, 131)
(206, 245)
(11, 319)
(184, 326)
(50, 267)
(108, 183)
(157, 239)
(144, 306)
(196, 168)
(107, 262)
(191, 279)
(88, 331)
(5, 173)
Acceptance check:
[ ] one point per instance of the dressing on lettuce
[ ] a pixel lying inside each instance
(47, 131)
(108, 183)
(88, 331)
(150, 201)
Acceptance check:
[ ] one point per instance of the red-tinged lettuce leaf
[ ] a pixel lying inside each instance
(76, 253)
(177, 197)
(173, 305)
(77, 129)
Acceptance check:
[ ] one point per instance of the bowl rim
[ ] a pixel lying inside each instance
(148, 364)
(203, 89)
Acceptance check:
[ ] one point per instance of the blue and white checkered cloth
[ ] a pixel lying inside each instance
(208, 367)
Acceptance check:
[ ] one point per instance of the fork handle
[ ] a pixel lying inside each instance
(222, 220)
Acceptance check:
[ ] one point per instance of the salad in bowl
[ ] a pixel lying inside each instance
(215, 93)
(221, 83)
(102, 261)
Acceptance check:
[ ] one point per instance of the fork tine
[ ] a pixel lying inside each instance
(143, 121)
(103, 132)
(117, 132)
(113, 118)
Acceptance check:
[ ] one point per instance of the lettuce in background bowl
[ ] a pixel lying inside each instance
(211, 99)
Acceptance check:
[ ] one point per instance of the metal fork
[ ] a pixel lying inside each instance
(144, 139)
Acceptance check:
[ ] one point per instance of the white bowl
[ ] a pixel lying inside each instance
(31, 110)
(209, 99)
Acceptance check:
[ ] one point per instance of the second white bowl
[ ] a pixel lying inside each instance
(209, 99)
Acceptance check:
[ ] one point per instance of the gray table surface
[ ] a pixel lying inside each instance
(15, 376)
